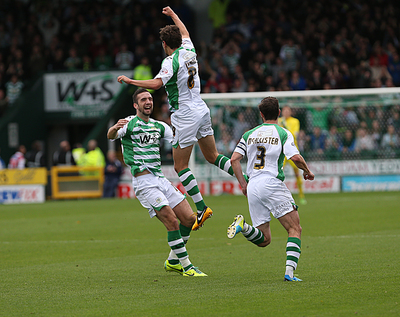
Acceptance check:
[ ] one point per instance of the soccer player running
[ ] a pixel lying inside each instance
(140, 139)
(265, 147)
(293, 125)
(190, 117)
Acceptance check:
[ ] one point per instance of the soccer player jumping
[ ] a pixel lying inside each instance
(191, 121)
(265, 147)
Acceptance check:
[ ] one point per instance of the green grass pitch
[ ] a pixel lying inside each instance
(105, 258)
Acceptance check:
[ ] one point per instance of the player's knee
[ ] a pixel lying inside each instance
(179, 167)
(211, 157)
(295, 231)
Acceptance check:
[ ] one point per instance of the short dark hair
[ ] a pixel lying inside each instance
(171, 35)
(269, 107)
(137, 92)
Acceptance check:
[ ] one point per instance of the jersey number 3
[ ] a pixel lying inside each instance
(261, 157)
(192, 72)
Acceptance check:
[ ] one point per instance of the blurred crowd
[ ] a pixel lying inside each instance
(256, 46)
(298, 45)
(91, 156)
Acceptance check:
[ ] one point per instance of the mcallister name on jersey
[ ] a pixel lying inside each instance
(267, 140)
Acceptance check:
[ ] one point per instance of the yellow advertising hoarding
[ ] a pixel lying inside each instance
(23, 176)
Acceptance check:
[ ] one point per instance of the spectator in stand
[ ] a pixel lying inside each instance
(103, 61)
(143, 71)
(112, 174)
(348, 142)
(18, 160)
(297, 82)
(73, 62)
(63, 157)
(2, 163)
(225, 77)
(302, 142)
(240, 126)
(239, 85)
(78, 152)
(376, 134)
(124, 58)
(225, 144)
(277, 70)
(49, 27)
(37, 62)
(35, 157)
(324, 59)
(364, 143)
(320, 116)
(217, 11)
(231, 55)
(316, 80)
(394, 118)
(390, 139)
(14, 89)
(212, 84)
(86, 63)
(317, 141)
(56, 62)
(291, 55)
(94, 156)
(333, 140)
(394, 68)
(3, 103)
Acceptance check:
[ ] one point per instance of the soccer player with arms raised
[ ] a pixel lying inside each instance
(190, 118)
(140, 138)
(266, 146)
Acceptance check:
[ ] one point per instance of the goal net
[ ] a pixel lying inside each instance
(342, 124)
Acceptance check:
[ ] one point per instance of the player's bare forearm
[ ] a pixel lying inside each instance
(299, 161)
(113, 131)
(237, 169)
(182, 28)
(154, 84)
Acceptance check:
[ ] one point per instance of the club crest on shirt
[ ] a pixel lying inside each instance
(263, 134)
(147, 138)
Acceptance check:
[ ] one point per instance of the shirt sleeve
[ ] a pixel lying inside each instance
(168, 134)
(121, 132)
(289, 148)
(166, 70)
(241, 147)
(187, 44)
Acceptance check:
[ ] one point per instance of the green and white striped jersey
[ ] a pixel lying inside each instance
(140, 142)
(180, 76)
(266, 147)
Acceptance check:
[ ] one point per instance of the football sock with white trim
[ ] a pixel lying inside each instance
(185, 233)
(252, 234)
(189, 182)
(224, 163)
(177, 245)
(292, 255)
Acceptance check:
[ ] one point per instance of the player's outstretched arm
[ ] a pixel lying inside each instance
(154, 84)
(112, 132)
(237, 169)
(299, 161)
(182, 28)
